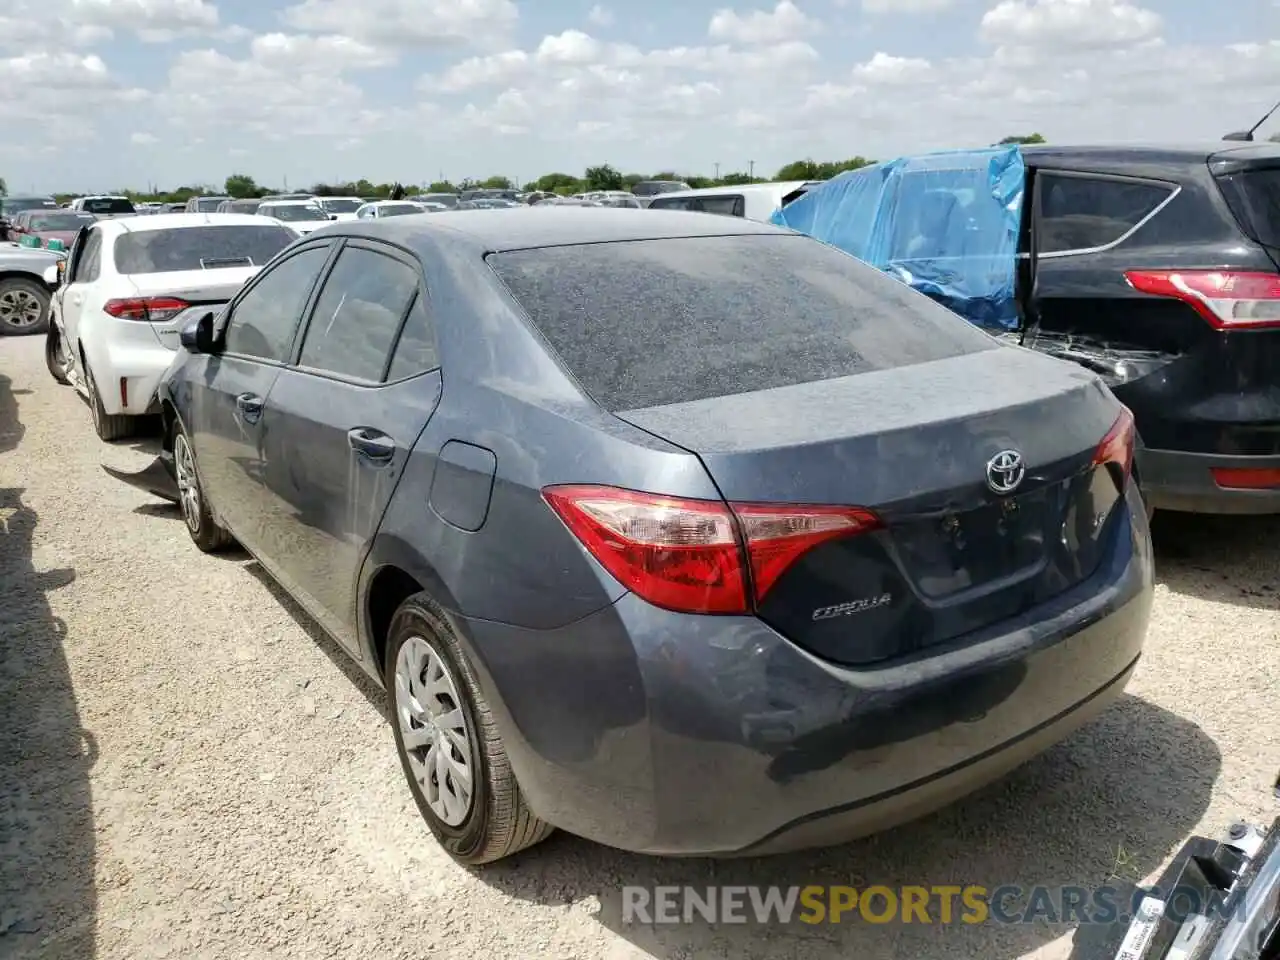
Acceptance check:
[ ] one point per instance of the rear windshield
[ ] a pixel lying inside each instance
(1254, 198)
(651, 322)
(208, 204)
(199, 248)
(18, 204)
(58, 221)
(107, 205)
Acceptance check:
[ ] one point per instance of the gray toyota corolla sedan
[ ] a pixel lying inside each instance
(684, 533)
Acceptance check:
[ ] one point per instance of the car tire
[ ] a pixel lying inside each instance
(108, 426)
(56, 357)
(24, 307)
(495, 822)
(205, 532)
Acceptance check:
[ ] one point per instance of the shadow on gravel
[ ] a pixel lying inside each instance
(48, 901)
(341, 659)
(1221, 559)
(1104, 808)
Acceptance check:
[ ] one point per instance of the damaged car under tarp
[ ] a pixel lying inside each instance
(947, 224)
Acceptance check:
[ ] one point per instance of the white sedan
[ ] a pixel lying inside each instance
(302, 215)
(392, 208)
(127, 289)
(343, 208)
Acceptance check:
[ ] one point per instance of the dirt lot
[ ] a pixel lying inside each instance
(188, 769)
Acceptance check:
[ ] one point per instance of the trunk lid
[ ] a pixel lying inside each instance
(203, 289)
(953, 556)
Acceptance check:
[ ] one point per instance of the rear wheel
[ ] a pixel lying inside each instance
(56, 356)
(108, 426)
(204, 530)
(24, 306)
(449, 747)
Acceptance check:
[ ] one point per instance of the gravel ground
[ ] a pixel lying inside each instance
(188, 769)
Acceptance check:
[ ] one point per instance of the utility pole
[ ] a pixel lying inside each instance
(717, 169)
(752, 171)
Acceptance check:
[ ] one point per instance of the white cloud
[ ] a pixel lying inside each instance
(406, 23)
(143, 139)
(785, 22)
(906, 6)
(886, 69)
(603, 17)
(572, 47)
(154, 21)
(1069, 23)
(292, 51)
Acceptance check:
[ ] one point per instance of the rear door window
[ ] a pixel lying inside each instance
(672, 203)
(1083, 213)
(729, 206)
(357, 316)
(652, 322)
(416, 349)
(199, 248)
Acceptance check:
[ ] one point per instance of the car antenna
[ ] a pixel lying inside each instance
(1247, 135)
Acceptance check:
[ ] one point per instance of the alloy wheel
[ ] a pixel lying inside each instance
(434, 730)
(20, 308)
(188, 485)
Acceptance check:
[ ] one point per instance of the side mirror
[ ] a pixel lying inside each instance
(197, 336)
(333, 216)
(53, 275)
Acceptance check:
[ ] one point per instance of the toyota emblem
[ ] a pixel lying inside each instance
(1005, 472)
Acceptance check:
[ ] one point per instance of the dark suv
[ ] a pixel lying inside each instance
(1160, 269)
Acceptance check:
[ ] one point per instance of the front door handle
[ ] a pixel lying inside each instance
(250, 406)
(373, 445)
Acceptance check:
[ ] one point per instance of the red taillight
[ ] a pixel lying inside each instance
(1117, 446)
(1246, 478)
(687, 555)
(1228, 300)
(149, 309)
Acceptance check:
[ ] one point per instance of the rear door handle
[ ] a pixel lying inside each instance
(250, 406)
(373, 445)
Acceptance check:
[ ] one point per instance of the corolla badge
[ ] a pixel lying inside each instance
(1005, 472)
(851, 607)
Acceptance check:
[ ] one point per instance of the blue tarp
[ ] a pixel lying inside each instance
(945, 223)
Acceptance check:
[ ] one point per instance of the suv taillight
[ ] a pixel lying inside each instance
(697, 556)
(1229, 300)
(149, 309)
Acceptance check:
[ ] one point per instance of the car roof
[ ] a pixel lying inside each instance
(1118, 156)
(772, 187)
(176, 221)
(292, 203)
(520, 228)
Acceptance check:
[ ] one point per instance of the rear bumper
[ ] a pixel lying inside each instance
(1181, 481)
(675, 735)
(141, 365)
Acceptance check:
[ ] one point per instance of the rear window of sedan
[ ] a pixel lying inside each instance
(651, 322)
(199, 248)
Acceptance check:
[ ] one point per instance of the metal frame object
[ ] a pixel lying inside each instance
(1237, 883)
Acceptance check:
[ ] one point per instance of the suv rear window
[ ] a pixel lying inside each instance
(1254, 198)
(108, 205)
(651, 322)
(199, 248)
(1081, 213)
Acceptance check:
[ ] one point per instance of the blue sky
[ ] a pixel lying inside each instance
(104, 94)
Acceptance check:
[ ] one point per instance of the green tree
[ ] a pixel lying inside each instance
(1028, 139)
(441, 186)
(496, 183)
(241, 186)
(562, 183)
(4, 189)
(737, 179)
(629, 180)
(603, 177)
